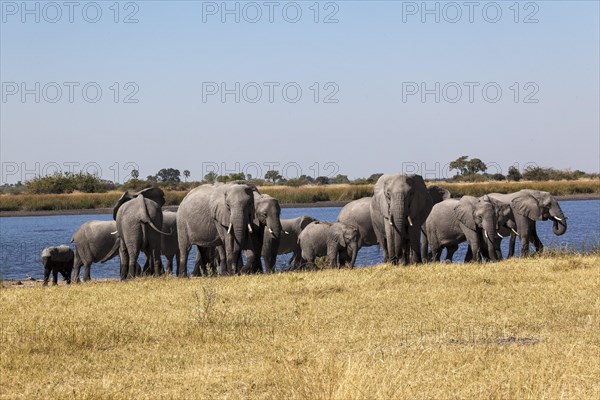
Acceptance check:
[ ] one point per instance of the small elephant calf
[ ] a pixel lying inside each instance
(320, 239)
(57, 259)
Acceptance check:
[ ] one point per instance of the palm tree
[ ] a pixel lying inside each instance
(186, 174)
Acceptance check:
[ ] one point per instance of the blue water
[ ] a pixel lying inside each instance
(23, 238)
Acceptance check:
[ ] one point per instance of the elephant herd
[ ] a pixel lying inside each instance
(236, 229)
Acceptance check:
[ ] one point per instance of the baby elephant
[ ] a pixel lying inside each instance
(57, 259)
(320, 239)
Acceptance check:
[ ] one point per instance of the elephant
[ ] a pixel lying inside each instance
(95, 241)
(267, 232)
(400, 205)
(358, 213)
(476, 220)
(529, 206)
(214, 215)
(169, 247)
(320, 239)
(289, 240)
(57, 259)
(139, 222)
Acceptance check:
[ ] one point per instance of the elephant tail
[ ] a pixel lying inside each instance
(113, 252)
(158, 230)
(152, 223)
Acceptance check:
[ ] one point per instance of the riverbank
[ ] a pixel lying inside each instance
(321, 334)
(95, 211)
(304, 196)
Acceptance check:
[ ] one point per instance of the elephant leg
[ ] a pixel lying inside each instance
(424, 248)
(146, 269)
(198, 262)
(524, 244)
(77, 263)
(86, 272)
(511, 245)
(177, 260)
(344, 257)
(539, 247)
(54, 276)
(47, 271)
(66, 276)
(469, 254)
(450, 250)
(134, 253)
(169, 266)
(124, 257)
(157, 260)
(182, 268)
(415, 243)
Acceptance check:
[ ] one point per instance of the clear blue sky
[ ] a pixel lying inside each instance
(373, 55)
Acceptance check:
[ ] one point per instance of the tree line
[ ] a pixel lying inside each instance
(467, 170)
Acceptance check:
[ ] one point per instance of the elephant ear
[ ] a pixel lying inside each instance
(438, 194)
(464, 212)
(122, 200)
(421, 198)
(219, 210)
(338, 234)
(154, 194)
(304, 221)
(528, 206)
(380, 196)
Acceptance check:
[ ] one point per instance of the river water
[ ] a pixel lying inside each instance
(23, 238)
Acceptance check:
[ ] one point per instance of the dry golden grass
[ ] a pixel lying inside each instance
(517, 329)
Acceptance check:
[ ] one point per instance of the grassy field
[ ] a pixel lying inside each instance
(513, 330)
(288, 195)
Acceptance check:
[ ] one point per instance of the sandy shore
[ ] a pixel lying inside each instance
(585, 196)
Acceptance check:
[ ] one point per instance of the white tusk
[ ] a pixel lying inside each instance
(486, 235)
(229, 229)
(249, 228)
(558, 219)
(410, 221)
(391, 223)
(286, 232)
(114, 233)
(270, 230)
(499, 235)
(515, 232)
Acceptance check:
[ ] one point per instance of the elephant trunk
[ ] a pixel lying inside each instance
(559, 226)
(239, 227)
(271, 239)
(489, 237)
(398, 219)
(353, 251)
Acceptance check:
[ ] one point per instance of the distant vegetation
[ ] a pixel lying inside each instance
(63, 191)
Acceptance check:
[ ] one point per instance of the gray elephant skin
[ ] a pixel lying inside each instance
(139, 222)
(289, 240)
(266, 233)
(95, 242)
(358, 213)
(213, 216)
(473, 219)
(530, 206)
(57, 259)
(169, 245)
(329, 239)
(400, 206)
